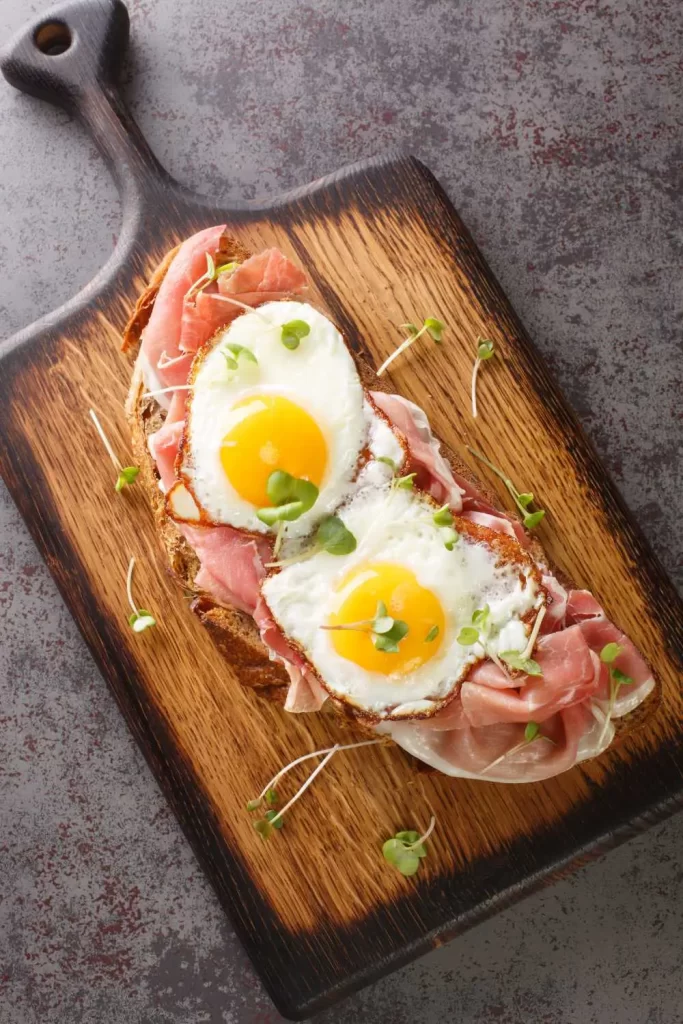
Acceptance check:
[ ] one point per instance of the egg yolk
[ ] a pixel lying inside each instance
(271, 433)
(405, 599)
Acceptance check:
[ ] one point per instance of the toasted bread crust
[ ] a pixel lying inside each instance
(234, 632)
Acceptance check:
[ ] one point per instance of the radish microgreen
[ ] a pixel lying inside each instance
(211, 274)
(126, 474)
(433, 327)
(532, 732)
(406, 849)
(331, 536)
(291, 497)
(140, 619)
(484, 351)
(608, 655)
(233, 353)
(521, 499)
(516, 660)
(293, 332)
(386, 632)
(272, 819)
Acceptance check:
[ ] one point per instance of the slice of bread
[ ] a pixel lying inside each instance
(234, 632)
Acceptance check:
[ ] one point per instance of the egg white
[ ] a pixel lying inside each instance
(319, 376)
(397, 527)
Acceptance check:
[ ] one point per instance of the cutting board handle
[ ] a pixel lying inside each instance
(72, 57)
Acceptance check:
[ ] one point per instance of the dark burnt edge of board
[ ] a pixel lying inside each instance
(381, 942)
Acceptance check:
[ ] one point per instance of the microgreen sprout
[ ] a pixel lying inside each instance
(433, 327)
(404, 483)
(387, 462)
(386, 632)
(443, 518)
(532, 732)
(485, 350)
(331, 536)
(290, 498)
(272, 819)
(126, 474)
(293, 332)
(406, 849)
(521, 500)
(431, 635)
(608, 655)
(516, 660)
(141, 619)
(233, 353)
(211, 274)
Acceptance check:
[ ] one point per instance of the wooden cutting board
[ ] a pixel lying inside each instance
(317, 908)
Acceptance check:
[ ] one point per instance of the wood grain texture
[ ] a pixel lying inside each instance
(318, 909)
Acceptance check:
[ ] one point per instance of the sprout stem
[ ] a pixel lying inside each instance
(475, 371)
(165, 360)
(105, 440)
(129, 586)
(401, 348)
(307, 757)
(425, 837)
(306, 784)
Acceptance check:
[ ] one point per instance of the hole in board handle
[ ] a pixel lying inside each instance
(53, 38)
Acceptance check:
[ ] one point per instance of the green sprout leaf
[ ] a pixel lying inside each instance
(468, 635)
(410, 328)
(620, 678)
(333, 537)
(515, 660)
(434, 328)
(387, 462)
(127, 475)
(271, 816)
(525, 499)
(240, 352)
(450, 537)
(293, 332)
(406, 849)
(264, 828)
(531, 732)
(231, 363)
(253, 805)
(533, 518)
(610, 653)
(405, 483)
(389, 640)
(271, 797)
(432, 635)
(443, 516)
(290, 496)
(484, 348)
(404, 860)
(141, 620)
(480, 617)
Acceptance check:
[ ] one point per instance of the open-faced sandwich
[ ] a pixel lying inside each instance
(340, 559)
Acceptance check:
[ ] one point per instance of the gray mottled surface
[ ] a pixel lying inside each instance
(556, 129)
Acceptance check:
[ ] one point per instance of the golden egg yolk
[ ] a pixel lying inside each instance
(405, 599)
(271, 433)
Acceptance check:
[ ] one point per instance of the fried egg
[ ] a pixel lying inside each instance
(256, 406)
(402, 569)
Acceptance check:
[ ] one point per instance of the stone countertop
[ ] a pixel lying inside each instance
(555, 128)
